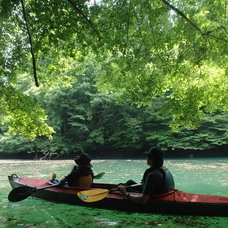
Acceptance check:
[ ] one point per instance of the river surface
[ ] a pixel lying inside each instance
(203, 176)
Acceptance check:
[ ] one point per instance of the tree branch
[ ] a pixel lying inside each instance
(31, 44)
(182, 15)
(208, 34)
(89, 22)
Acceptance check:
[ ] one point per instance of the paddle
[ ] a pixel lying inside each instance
(95, 195)
(23, 192)
(99, 175)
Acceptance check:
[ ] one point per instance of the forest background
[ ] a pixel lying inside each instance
(113, 78)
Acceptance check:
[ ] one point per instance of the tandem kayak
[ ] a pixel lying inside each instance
(173, 202)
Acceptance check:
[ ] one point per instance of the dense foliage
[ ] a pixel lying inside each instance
(87, 120)
(174, 52)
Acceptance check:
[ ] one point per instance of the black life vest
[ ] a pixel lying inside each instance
(159, 179)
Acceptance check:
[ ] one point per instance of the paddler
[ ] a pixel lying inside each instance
(82, 173)
(156, 180)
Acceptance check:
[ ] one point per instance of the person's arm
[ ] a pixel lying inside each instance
(64, 180)
(141, 199)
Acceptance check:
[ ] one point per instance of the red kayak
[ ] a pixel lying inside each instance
(173, 202)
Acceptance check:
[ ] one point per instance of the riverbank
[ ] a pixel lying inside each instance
(221, 151)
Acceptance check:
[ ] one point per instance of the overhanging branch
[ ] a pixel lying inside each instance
(208, 33)
(88, 21)
(31, 44)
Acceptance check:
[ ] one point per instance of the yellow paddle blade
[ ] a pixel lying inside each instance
(93, 195)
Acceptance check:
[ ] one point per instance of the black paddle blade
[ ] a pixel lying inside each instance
(21, 193)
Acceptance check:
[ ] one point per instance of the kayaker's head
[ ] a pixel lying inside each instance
(83, 160)
(155, 157)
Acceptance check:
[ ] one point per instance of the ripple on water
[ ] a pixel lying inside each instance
(107, 222)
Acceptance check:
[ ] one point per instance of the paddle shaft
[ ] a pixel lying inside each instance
(127, 186)
(96, 194)
(99, 175)
(50, 186)
(23, 192)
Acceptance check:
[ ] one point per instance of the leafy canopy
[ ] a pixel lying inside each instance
(175, 49)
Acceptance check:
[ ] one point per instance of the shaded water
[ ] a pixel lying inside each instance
(203, 176)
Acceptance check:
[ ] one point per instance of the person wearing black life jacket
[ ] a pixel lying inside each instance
(82, 173)
(156, 180)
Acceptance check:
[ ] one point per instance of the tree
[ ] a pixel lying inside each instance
(87, 120)
(176, 50)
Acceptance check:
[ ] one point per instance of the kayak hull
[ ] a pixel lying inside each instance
(174, 202)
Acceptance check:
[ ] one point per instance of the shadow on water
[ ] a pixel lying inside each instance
(207, 176)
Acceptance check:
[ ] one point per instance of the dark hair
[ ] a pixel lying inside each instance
(157, 155)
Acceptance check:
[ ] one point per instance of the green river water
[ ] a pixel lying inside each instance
(203, 176)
